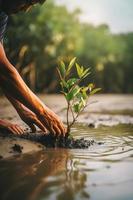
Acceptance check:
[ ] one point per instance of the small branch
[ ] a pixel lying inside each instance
(70, 125)
(72, 112)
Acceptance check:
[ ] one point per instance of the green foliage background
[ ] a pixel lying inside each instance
(37, 40)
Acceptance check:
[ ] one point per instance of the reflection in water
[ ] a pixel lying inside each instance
(41, 175)
(101, 172)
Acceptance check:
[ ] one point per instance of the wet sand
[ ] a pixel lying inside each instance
(106, 110)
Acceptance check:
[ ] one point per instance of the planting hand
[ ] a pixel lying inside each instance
(26, 115)
(52, 122)
(48, 119)
(30, 119)
(14, 86)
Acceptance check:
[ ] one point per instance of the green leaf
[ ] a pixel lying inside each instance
(63, 84)
(84, 93)
(79, 95)
(84, 89)
(90, 86)
(71, 82)
(81, 105)
(59, 73)
(86, 70)
(72, 93)
(62, 69)
(79, 70)
(86, 73)
(82, 69)
(83, 101)
(76, 108)
(72, 62)
(84, 76)
(95, 91)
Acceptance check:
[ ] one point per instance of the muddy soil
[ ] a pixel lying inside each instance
(106, 110)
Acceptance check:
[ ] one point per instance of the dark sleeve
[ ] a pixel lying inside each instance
(3, 24)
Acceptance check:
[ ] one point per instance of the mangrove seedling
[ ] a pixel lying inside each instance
(75, 93)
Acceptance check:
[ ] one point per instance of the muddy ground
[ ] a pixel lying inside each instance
(109, 110)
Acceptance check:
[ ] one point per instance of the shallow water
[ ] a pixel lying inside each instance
(101, 172)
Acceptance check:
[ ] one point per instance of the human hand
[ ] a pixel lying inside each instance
(30, 119)
(42, 117)
(52, 122)
(13, 128)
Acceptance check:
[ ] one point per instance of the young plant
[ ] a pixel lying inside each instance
(75, 93)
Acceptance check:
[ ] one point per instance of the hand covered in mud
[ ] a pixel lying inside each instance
(30, 119)
(52, 122)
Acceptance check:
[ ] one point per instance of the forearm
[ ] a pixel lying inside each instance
(12, 83)
(14, 86)
(16, 104)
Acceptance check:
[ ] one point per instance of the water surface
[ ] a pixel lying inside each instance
(101, 172)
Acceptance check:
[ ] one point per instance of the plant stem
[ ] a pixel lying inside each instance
(72, 112)
(75, 118)
(68, 127)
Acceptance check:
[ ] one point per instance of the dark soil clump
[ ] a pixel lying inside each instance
(61, 142)
(17, 148)
(51, 141)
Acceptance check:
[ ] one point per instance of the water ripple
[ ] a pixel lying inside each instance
(116, 145)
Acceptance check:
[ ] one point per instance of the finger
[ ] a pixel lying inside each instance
(47, 124)
(57, 130)
(21, 131)
(50, 128)
(65, 131)
(54, 129)
(40, 125)
(16, 130)
(12, 130)
(62, 128)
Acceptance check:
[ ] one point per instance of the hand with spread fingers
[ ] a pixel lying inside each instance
(11, 128)
(52, 122)
(46, 120)
(28, 105)
(42, 117)
(31, 119)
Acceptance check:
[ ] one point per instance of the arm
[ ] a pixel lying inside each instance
(26, 115)
(12, 83)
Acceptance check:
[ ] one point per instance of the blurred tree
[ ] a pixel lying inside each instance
(37, 40)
